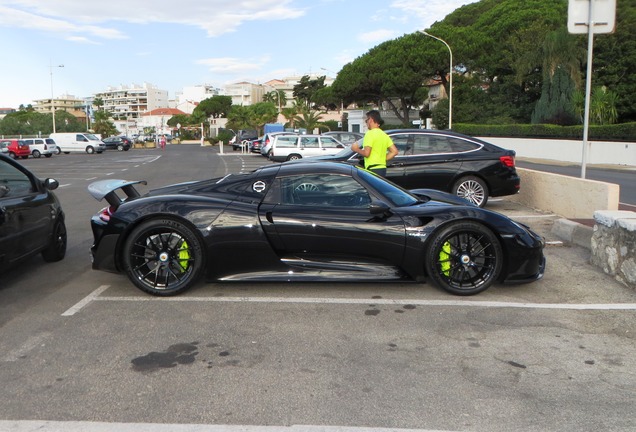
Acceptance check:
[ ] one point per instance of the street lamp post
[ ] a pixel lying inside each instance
(450, 82)
(52, 97)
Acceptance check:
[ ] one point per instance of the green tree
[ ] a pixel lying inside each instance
(307, 87)
(555, 105)
(239, 117)
(102, 124)
(215, 107)
(310, 120)
(98, 102)
(262, 113)
(277, 97)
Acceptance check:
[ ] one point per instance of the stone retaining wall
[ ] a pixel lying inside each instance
(614, 244)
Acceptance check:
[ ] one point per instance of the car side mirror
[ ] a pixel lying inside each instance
(51, 184)
(379, 208)
(4, 191)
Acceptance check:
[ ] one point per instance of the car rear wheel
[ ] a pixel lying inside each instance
(472, 189)
(464, 258)
(36, 154)
(294, 157)
(56, 250)
(163, 257)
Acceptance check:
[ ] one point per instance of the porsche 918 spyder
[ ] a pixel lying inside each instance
(308, 221)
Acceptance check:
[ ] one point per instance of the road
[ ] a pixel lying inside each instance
(624, 177)
(82, 350)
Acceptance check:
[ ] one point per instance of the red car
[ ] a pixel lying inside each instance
(15, 148)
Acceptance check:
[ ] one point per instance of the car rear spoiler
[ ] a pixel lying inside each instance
(106, 189)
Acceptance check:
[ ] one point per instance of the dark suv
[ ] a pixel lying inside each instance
(447, 161)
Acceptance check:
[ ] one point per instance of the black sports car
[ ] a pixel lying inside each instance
(306, 222)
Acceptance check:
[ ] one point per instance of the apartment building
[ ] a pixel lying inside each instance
(127, 103)
(69, 103)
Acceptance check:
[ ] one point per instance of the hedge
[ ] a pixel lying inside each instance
(616, 132)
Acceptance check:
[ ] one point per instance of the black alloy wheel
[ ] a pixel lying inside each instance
(163, 257)
(56, 250)
(464, 258)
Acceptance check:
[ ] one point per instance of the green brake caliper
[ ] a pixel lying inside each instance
(444, 258)
(184, 255)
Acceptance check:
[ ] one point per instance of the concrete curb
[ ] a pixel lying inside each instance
(573, 232)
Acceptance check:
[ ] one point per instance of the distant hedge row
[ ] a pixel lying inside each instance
(616, 132)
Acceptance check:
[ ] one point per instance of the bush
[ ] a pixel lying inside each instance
(616, 132)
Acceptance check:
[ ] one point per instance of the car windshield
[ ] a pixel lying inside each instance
(398, 196)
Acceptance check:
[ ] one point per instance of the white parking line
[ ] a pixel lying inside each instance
(81, 426)
(95, 296)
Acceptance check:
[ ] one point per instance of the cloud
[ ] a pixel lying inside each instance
(429, 12)
(377, 36)
(230, 65)
(215, 17)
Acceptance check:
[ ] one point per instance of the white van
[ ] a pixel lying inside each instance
(78, 142)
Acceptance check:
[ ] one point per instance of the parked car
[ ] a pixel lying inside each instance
(255, 145)
(268, 139)
(42, 147)
(31, 217)
(287, 222)
(120, 143)
(242, 139)
(78, 142)
(345, 137)
(16, 148)
(447, 161)
(294, 147)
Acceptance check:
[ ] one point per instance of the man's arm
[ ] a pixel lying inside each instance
(365, 151)
(393, 152)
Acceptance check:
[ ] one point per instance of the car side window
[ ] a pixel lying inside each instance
(309, 142)
(13, 182)
(286, 141)
(328, 142)
(404, 144)
(329, 190)
(459, 145)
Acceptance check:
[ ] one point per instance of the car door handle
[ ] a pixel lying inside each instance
(399, 164)
(268, 216)
(451, 160)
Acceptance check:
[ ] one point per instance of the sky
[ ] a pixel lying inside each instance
(173, 44)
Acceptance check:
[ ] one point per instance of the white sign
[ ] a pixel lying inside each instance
(417, 122)
(603, 16)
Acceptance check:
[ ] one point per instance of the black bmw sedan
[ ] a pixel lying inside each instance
(468, 167)
(311, 221)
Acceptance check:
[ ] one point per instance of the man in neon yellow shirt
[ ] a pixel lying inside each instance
(378, 147)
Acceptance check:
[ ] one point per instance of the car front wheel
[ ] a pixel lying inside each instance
(464, 258)
(472, 189)
(90, 150)
(56, 250)
(36, 154)
(120, 147)
(163, 257)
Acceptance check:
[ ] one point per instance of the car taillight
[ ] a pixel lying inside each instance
(106, 213)
(508, 161)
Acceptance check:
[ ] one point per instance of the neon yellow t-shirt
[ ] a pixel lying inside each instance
(379, 142)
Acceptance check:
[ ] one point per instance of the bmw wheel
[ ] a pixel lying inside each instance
(472, 189)
(56, 250)
(163, 257)
(464, 258)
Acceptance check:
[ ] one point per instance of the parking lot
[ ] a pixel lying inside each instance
(78, 345)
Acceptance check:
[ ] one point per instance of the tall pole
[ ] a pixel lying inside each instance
(52, 97)
(588, 88)
(450, 82)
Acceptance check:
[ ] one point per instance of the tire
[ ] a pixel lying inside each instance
(24, 157)
(36, 154)
(464, 258)
(90, 150)
(473, 189)
(163, 257)
(58, 151)
(294, 157)
(120, 147)
(56, 250)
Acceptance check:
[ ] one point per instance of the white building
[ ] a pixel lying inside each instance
(128, 102)
(244, 93)
(158, 119)
(190, 96)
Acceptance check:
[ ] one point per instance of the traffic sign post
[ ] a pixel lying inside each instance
(590, 16)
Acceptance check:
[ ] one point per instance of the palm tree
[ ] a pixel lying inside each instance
(310, 120)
